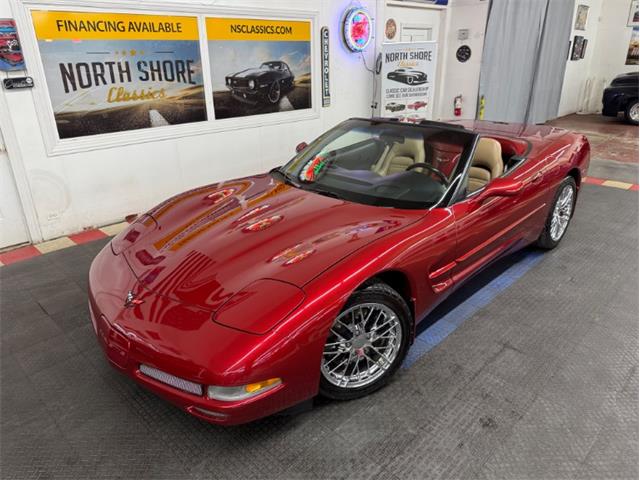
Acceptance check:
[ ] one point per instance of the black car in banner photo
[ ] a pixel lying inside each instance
(394, 107)
(265, 84)
(408, 76)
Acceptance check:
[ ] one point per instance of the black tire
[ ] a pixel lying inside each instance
(380, 293)
(274, 94)
(629, 112)
(546, 240)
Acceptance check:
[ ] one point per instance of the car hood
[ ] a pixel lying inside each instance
(630, 78)
(203, 246)
(250, 73)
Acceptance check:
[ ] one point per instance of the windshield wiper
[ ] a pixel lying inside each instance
(287, 178)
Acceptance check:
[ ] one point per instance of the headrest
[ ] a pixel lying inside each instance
(488, 155)
(412, 147)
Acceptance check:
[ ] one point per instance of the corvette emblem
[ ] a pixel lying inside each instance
(131, 301)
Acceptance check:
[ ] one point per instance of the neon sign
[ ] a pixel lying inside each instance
(357, 29)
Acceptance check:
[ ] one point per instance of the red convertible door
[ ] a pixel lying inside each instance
(486, 229)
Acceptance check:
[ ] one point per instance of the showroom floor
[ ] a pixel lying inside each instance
(531, 371)
(614, 145)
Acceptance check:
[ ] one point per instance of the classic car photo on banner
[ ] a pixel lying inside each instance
(115, 72)
(259, 66)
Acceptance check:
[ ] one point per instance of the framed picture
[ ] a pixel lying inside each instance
(577, 47)
(10, 51)
(275, 66)
(581, 17)
(632, 51)
(96, 81)
(584, 48)
(633, 19)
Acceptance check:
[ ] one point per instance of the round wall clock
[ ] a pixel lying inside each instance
(463, 53)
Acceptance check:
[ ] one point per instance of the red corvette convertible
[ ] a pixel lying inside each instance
(240, 299)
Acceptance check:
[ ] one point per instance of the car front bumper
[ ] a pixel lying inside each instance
(132, 337)
(246, 95)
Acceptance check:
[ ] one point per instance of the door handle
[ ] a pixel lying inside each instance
(537, 178)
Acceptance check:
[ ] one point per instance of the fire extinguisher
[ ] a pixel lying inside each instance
(457, 106)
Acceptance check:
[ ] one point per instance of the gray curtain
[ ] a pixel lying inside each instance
(524, 58)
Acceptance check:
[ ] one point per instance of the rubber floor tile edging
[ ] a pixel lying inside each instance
(29, 251)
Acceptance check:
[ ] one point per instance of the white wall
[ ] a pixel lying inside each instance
(605, 57)
(463, 78)
(577, 74)
(611, 47)
(73, 191)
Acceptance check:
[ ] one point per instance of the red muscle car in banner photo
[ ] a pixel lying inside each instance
(239, 299)
(417, 105)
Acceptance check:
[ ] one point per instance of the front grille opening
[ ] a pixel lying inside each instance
(171, 380)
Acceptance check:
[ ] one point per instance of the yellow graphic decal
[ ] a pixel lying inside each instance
(261, 30)
(112, 26)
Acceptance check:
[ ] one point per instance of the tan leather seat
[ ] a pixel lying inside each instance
(401, 155)
(486, 165)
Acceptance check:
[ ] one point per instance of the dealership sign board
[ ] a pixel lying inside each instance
(259, 66)
(110, 72)
(408, 80)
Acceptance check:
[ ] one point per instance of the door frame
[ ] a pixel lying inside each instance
(417, 26)
(19, 172)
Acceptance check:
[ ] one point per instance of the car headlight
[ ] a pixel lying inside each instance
(228, 81)
(252, 84)
(232, 394)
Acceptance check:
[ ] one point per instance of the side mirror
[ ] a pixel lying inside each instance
(301, 146)
(131, 218)
(500, 187)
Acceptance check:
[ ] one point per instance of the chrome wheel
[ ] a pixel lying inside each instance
(633, 112)
(561, 213)
(362, 345)
(274, 92)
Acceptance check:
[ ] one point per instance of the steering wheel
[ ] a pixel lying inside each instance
(430, 167)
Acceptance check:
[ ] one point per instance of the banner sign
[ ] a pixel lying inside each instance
(259, 66)
(408, 80)
(324, 47)
(10, 52)
(111, 72)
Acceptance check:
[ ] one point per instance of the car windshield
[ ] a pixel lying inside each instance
(271, 66)
(382, 163)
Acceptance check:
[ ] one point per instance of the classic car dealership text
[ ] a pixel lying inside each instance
(404, 232)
